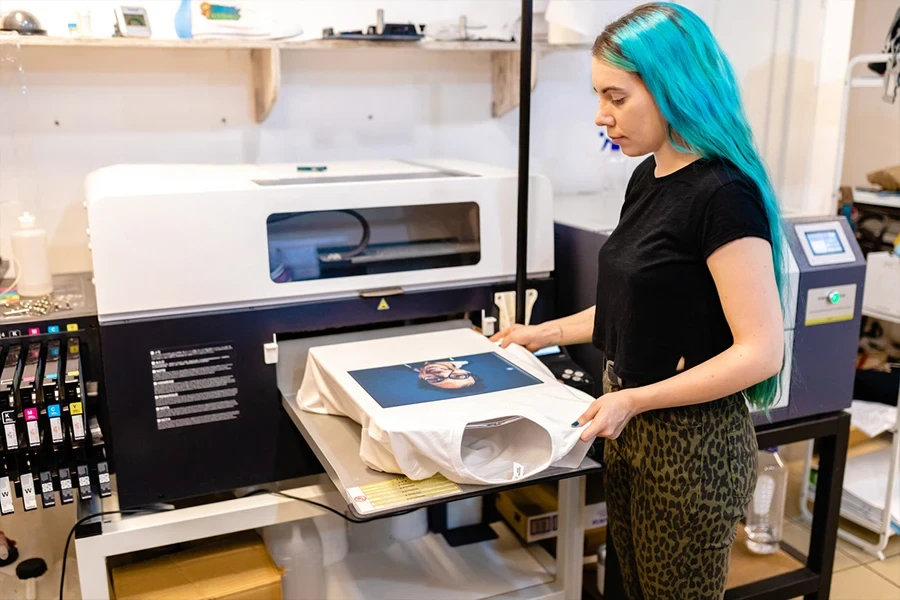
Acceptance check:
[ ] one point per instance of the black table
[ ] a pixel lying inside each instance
(813, 582)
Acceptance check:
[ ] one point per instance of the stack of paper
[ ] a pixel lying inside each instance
(865, 485)
(873, 418)
(876, 197)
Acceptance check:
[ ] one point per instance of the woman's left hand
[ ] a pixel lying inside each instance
(608, 415)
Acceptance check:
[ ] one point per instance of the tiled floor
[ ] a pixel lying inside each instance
(858, 575)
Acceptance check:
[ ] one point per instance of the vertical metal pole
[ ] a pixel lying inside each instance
(570, 541)
(524, 135)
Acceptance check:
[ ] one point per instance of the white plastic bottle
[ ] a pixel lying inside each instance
(618, 174)
(765, 517)
(29, 246)
(297, 548)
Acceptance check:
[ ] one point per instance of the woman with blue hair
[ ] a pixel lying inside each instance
(688, 314)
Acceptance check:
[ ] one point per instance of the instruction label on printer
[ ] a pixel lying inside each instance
(402, 490)
(194, 385)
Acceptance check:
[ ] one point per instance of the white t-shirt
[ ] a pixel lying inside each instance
(449, 402)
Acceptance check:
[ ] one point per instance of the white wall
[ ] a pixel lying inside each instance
(87, 108)
(873, 126)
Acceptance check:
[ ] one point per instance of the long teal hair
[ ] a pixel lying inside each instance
(676, 55)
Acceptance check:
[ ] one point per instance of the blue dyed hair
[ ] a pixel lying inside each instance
(677, 57)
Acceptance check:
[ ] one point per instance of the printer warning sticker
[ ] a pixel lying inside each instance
(194, 385)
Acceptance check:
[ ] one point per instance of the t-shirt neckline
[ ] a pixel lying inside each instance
(674, 175)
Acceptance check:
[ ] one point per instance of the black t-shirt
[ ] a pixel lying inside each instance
(656, 299)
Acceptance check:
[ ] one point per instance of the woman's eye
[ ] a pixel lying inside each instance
(619, 101)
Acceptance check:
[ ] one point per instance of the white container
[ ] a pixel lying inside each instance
(333, 533)
(409, 527)
(85, 29)
(464, 513)
(29, 246)
(297, 548)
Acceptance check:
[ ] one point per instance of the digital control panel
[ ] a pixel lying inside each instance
(824, 243)
(565, 369)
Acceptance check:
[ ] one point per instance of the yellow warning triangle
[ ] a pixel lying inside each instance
(383, 305)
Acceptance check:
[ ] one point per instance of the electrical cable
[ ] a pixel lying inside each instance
(364, 239)
(127, 511)
(333, 511)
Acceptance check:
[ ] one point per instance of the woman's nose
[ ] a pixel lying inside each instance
(603, 119)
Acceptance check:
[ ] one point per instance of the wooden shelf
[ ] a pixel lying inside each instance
(266, 59)
(250, 44)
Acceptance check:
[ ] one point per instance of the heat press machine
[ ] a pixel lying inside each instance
(826, 274)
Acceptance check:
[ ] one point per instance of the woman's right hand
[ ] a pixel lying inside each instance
(532, 337)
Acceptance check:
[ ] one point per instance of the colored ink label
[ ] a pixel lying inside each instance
(9, 430)
(6, 500)
(28, 496)
(56, 431)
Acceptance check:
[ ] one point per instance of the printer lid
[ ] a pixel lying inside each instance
(131, 180)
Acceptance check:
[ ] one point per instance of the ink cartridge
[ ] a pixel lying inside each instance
(50, 391)
(74, 389)
(29, 397)
(9, 377)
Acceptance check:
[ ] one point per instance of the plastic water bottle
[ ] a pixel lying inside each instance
(614, 167)
(765, 515)
(617, 170)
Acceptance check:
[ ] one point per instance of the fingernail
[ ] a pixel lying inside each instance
(575, 424)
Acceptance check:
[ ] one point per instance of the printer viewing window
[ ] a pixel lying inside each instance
(824, 242)
(325, 244)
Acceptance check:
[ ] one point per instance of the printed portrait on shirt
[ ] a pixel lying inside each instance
(442, 379)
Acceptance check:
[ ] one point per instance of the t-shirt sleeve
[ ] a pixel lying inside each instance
(734, 211)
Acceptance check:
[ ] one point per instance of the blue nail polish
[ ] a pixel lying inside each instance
(575, 424)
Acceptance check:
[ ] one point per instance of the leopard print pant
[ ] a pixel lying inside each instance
(678, 481)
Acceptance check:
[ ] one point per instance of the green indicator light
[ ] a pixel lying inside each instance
(834, 297)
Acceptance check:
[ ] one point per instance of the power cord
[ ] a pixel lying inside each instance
(131, 511)
(332, 510)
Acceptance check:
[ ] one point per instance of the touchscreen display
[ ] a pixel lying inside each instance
(824, 242)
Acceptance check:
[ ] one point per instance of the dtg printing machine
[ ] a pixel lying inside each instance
(212, 282)
(825, 272)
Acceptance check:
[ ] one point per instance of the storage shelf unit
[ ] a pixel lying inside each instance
(885, 530)
(265, 57)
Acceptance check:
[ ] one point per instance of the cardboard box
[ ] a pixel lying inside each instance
(236, 567)
(532, 512)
